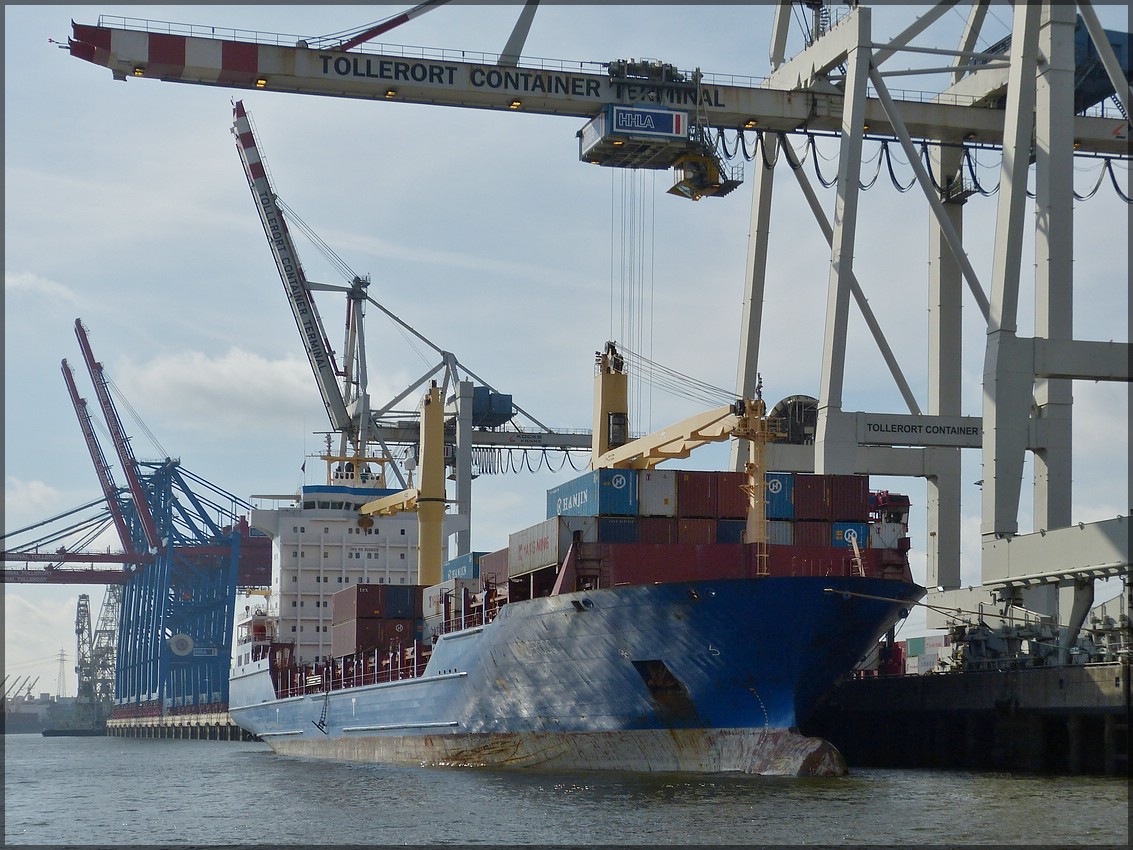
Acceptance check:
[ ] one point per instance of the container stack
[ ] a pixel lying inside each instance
(382, 617)
(653, 507)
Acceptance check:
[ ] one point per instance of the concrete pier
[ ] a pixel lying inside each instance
(1065, 720)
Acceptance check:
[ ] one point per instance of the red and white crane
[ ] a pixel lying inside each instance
(121, 441)
(101, 467)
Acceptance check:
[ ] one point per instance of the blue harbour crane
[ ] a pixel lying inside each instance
(185, 551)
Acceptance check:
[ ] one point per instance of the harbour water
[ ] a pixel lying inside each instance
(103, 791)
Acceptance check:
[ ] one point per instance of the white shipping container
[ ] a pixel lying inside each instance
(657, 492)
(926, 663)
(433, 598)
(885, 535)
(547, 542)
(912, 665)
(934, 643)
(781, 532)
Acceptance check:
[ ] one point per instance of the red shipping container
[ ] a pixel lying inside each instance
(656, 529)
(849, 498)
(812, 497)
(732, 499)
(697, 494)
(494, 566)
(645, 563)
(365, 635)
(357, 602)
(696, 531)
(812, 533)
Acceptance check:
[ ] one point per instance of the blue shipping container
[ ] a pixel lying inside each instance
(607, 492)
(843, 532)
(780, 495)
(462, 566)
(730, 530)
(617, 529)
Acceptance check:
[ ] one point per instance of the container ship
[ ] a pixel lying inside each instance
(657, 620)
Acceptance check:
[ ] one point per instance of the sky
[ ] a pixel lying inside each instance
(126, 206)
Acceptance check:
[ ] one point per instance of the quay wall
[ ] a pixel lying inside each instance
(211, 726)
(1062, 720)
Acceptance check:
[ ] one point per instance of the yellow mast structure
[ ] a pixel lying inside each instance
(427, 499)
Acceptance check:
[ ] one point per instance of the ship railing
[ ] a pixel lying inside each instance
(352, 671)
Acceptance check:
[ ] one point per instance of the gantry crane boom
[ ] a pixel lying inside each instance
(101, 467)
(121, 441)
(243, 60)
(295, 284)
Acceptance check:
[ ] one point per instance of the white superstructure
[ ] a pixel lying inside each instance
(321, 544)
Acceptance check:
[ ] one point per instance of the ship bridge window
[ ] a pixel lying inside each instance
(324, 505)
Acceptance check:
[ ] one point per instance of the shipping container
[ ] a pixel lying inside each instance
(730, 530)
(915, 646)
(781, 532)
(886, 535)
(493, 567)
(849, 497)
(616, 529)
(811, 497)
(843, 532)
(696, 530)
(657, 492)
(927, 663)
(449, 593)
(780, 495)
(370, 634)
(656, 529)
(462, 566)
(547, 542)
(732, 500)
(935, 643)
(607, 492)
(812, 532)
(376, 601)
(697, 494)
(646, 563)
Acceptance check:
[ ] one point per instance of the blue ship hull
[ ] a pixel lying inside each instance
(709, 675)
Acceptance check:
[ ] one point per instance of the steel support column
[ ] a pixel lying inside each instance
(1008, 373)
(836, 440)
(945, 375)
(1054, 278)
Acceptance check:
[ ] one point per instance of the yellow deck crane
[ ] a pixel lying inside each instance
(745, 419)
(427, 499)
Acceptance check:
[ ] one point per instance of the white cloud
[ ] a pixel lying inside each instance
(33, 284)
(28, 501)
(234, 390)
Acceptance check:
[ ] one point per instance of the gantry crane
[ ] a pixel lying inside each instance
(164, 637)
(1022, 102)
